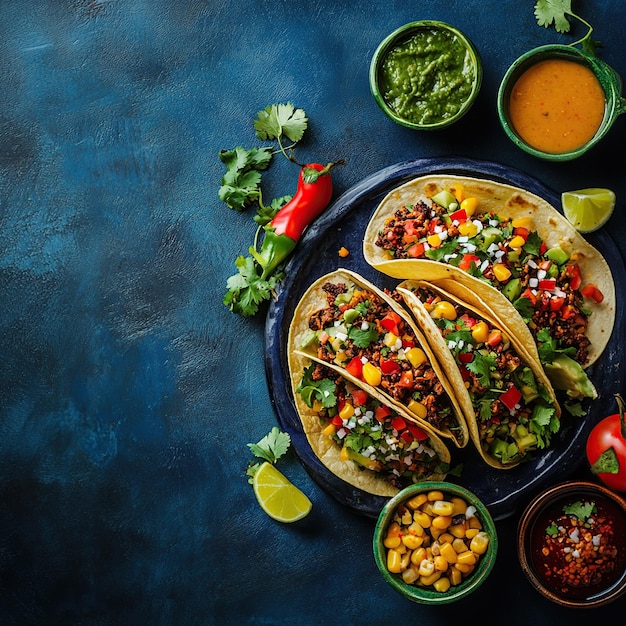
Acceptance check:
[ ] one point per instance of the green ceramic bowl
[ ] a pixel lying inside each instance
(609, 80)
(540, 514)
(429, 92)
(427, 595)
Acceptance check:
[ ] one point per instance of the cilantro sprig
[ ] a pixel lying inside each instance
(270, 448)
(241, 189)
(556, 12)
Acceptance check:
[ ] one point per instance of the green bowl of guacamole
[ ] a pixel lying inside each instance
(425, 75)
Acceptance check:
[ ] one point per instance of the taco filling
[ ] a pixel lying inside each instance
(514, 412)
(368, 432)
(360, 332)
(544, 284)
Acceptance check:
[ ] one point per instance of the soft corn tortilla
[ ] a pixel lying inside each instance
(315, 299)
(329, 453)
(511, 202)
(433, 335)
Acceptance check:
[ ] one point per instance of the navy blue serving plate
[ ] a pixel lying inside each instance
(343, 224)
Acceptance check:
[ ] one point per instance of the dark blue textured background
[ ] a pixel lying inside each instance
(127, 391)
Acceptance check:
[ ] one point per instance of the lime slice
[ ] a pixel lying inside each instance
(588, 209)
(278, 497)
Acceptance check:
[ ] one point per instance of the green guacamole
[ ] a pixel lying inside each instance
(428, 77)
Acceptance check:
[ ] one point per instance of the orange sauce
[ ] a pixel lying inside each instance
(557, 105)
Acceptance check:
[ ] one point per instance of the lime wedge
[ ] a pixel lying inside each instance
(278, 497)
(588, 209)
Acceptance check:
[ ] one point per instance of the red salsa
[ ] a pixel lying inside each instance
(579, 548)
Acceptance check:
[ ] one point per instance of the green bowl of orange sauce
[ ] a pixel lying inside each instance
(556, 101)
(425, 75)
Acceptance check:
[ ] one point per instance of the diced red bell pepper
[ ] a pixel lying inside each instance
(337, 421)
(406, 436)
(407, 343)
(417, 432)
(390, 322)
(547, 284)
(529, 295)
(459, 216)
(556, 303)
(389, 366)
(591, 291)
(511, 397)
(359, 397)
(355, 367)
(575, 279)
(543, 248)
(416, 250)
(520, 231)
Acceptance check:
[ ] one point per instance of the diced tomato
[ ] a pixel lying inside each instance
(521, 232)
(398, 423)
(432, 225)
(466, 357)
(406, 380)
(467, 320)
(390, 322)
(591, 291)
(410, 228)
(408, 239)
(337, 421)
(494, 338)
(529, 295)
(416, 250)
(417, 432)
(406, 436)
(568, 311)
(407, 343)
(459, 216)
(381, 413)
(465, 373)
(511, 397)
(359, 397)
(556, 303)
(543, 248)
(466, 261)
(323, 337)
(544, 265)
(355, 367)
(575, 279)
(389, 366)
(547, 284)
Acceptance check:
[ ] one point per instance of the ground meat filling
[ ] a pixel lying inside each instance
(426, 387)
(420, 220)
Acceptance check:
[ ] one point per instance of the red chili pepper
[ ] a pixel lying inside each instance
(314, 191)
(511, 397)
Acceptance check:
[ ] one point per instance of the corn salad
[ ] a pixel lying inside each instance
(435, 540)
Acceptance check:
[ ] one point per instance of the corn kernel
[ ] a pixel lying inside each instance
(415, 529)
(480, 543)
(456, 577)
(458, 531)
(464, 568)
(442, 584)
(371, 374)
(441, 522)
(441, 565)
(417, 556)
(426, 567)
(434, 241)
(394, 561)
(448, 552)
(501, 272)
(459, 545)
(416, 356)
(435, 532)
(443, 507)
(429, 580)
(405, 559)
(460, 506)
(468, 229)
(523, 222)
(409, 575)
(445, 538)
(422, 519)
(474, 522)
(466, 558)
(434, 495)
(412, 541)
(390, 339)
(471, 532)
(416, 501)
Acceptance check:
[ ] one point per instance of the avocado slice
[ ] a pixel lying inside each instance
(567, 375)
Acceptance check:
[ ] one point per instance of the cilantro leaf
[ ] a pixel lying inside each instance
(274, 445)
(548, 348)
(363, 338)
(549, 11)
(246, 289)
(241, 182)
(533, 243)
(482, 366)
(581, 510)
(543, 424)
(266, 214)
(524, 307)
(281, 119)
(324, 390)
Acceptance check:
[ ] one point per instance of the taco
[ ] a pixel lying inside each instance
(359, 438)
(352, 326)
(513, 253)
(509, 403)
